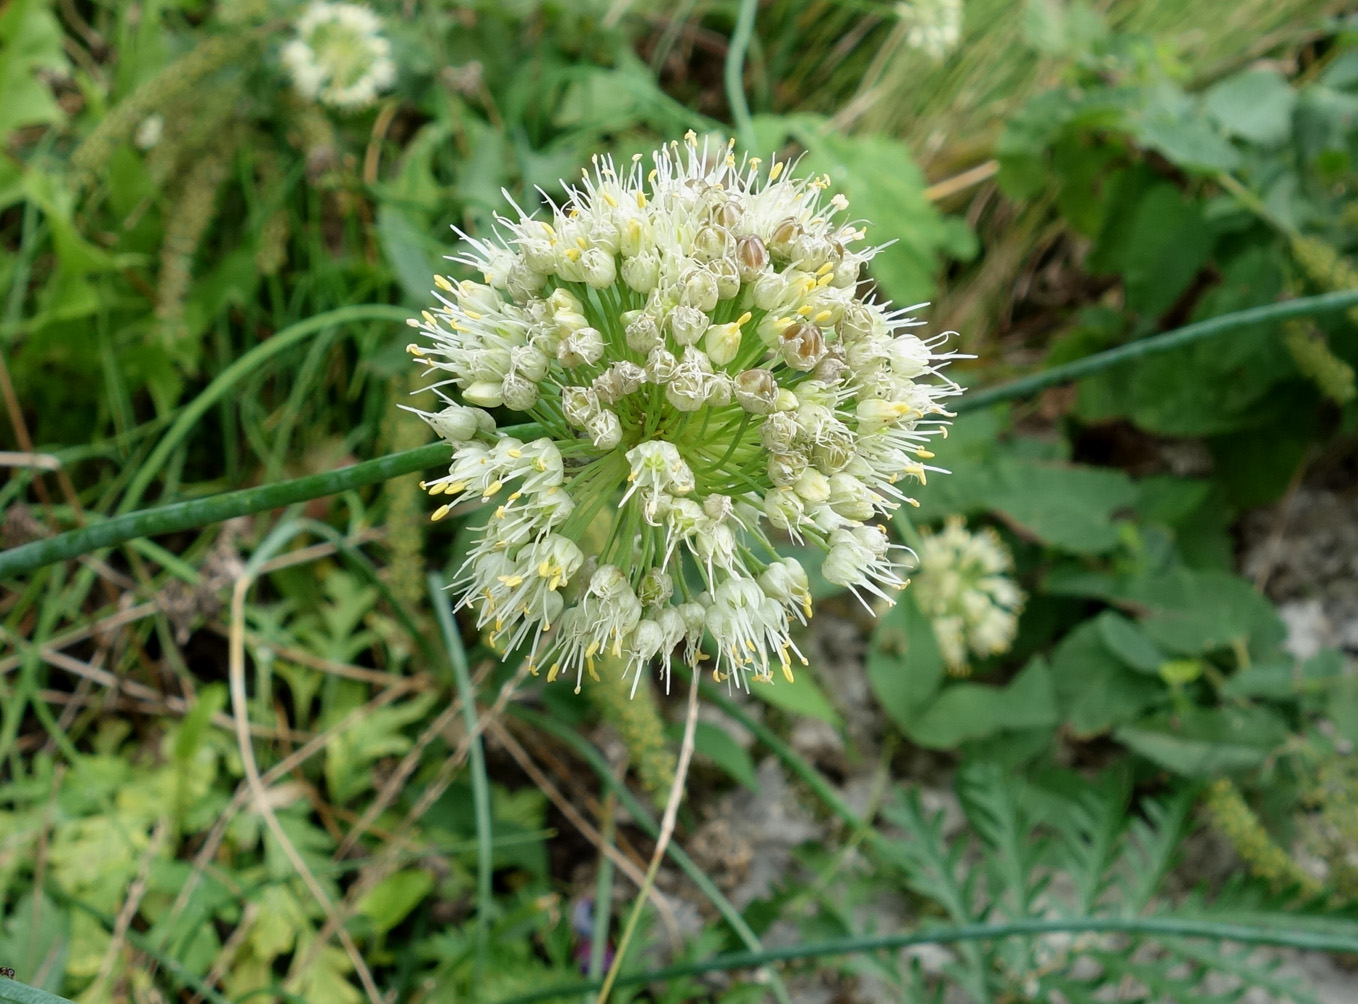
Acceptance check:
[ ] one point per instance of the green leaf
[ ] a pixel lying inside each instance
(1069, 507)
(1198, 612)
(1094, 690)
(35, 941)
(1205, 742)
(391, 900)
(1129, 642)
(407, 249)
(14, 992)
(904, 666)
(715, 743)
(30, 40)
(800, 697)
(967, 711)
(1170, 123)
(1255, 105)
(1157, 242)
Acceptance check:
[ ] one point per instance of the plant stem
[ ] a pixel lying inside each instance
(1164, 927)
(734, 73)
(1306, 306)
(662, 842)
(198, 512)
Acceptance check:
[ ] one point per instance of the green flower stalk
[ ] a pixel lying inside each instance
(694, 340)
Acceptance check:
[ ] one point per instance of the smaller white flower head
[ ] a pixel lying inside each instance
(963, 586)
(932, 27)
(339, 56)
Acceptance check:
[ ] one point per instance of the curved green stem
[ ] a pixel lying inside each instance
(734, 73)
(242, 367)
(1306, 306)
(213, 509)
(184, 515)
(1163, 927)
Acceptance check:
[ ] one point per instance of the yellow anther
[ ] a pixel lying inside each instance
(609, 199)
(472, 314)
(512, 581)
(491, 489)
(573, 254)
(441, 281)
(552, 673)
(429, 318)
(744, 318)
(823, 316)
(515, 453)
(825, 269)
(924, 454)
(439, 513)
(776, 171)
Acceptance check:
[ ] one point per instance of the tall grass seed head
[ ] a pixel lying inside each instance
(964, 586)
(339, 57)
(692, 339)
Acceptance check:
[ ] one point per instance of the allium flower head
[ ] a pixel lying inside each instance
(932, 27)
(698, 361)
(339, 56)
(963, 586)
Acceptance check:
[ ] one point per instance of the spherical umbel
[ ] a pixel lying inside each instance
(693, 341)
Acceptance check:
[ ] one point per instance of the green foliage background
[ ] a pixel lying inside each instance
(221, 310)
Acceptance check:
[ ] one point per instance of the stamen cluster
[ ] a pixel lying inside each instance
(963, 585)
(698, 362)
(339, 56)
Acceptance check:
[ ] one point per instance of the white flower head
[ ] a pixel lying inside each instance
(682, 338)
(964, 586)
(932, 27)
(339, 57)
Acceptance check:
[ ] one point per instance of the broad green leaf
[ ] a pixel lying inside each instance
(713, 742)
(407, 249)
(14, 992)
(800, 697)
(968, 711)
(391, 900)
(1094, 690)
(1255, 105)
(34, 941)
(1069, 507)
(1197, 612)
(1170, 122)
(904, 666)
(30, 40)
(1205, 742)
(1129, 642)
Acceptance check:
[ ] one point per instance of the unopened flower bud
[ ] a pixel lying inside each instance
(486, 393)
(604, 430)
(813, 486)
(598, 268)
(579, 404)
(687, 324)
(756, 391)
(519, 393)
(582, 347)
(802, 346)
(779, 432)
(642, 333)
(642, 272)
(751, 257)
(786, 468)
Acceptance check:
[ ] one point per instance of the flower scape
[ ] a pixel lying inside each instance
(697, 361)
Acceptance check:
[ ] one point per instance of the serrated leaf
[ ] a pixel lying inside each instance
(1095, 690)
(1255, 105)
(1129, 642)
(1205, 742)
(966, 711)
(1069, 507)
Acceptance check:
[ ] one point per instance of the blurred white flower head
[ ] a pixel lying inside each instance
(963, 586)
(932, 27)
(339, 56)
(698, 361)
(149, 131)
